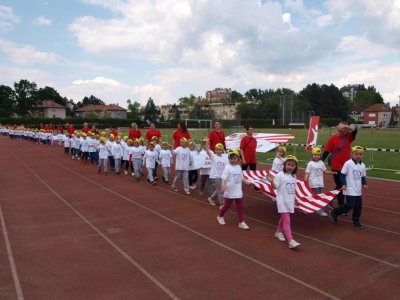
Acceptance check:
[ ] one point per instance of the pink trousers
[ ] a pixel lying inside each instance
(284, 225)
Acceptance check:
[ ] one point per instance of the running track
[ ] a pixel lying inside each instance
(69, 233)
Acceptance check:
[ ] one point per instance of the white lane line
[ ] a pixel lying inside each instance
(348, 221)
(115, 246)
(14, 272)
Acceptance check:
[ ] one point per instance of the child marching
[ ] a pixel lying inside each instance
(279, 160)
(182, 164)
(165, 160)
(136, 156)
(149, 160)
(219, 160)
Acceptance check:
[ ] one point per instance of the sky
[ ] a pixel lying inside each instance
(167, 49)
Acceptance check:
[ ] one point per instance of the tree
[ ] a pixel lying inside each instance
(237, 97)
(26, 96)
(151, 112)
(175, 112)
(49, 93)
(70, 107)
(133, 110)
(92, 100)
(367, 96)
(7, 101)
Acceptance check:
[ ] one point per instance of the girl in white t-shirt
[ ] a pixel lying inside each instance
(150, 158)
(193, 171)
(85, 148)
(315, 175)
(165, 160)
(117, 152)
(279, 160)
(182, 164)
(205, 170)
(136, 157)
(232, 188)
(219, 160)
(285, 185)
(103, 156)
(67, 143)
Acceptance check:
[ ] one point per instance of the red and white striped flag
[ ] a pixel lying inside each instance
(308, 201)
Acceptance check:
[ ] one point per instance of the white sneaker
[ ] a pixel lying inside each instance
(221, 220)
(280, 236)
(174, 189)
(321, 213)
(211, 201)
(188, 193)
(243, 225)
(293, 244)
(193, 187)
(126, 172)
(133, 174)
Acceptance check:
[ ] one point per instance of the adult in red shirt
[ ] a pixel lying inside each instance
(248, 146)
(70, 129)
(94, 129)
(216, 136)
(59, 129)
(180, 132)
(113, 132)
(134, 132)
(339, 146)
(85, 128)
(152, 132)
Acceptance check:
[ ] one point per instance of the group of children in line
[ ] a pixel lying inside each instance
(219, 169)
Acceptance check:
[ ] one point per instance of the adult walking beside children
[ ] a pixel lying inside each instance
(153, 132)
(339, 148)
(134, 132)
(217, 136)
(180, 132)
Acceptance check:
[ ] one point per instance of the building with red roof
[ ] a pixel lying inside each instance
(49, 109)
(113, 111)
(378, 114)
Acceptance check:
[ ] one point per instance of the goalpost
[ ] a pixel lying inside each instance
(199, 128)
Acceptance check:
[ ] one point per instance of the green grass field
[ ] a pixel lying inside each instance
(381, 164)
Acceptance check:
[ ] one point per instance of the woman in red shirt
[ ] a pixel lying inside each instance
(134, 132)
(216, 136)
(153, 132)
(180, 132)
(248, 146)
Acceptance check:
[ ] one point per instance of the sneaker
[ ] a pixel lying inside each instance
(211, 201)
(188, 192)
(98, 171)
(167, 182)
(174, 189)
(133, 174)
(153, 183)
(193, 187)
(221, 220)
(321, 213)
(333, 216)
(358, 225)
(280, 236)
(293, 244)
(155, 178)
(243, 225)
(126, 172)
(201, 193)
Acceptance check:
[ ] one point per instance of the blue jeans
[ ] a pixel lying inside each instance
(352, 203)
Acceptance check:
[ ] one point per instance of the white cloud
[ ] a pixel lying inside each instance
(7, 18)
(27, 54)
(42, 21)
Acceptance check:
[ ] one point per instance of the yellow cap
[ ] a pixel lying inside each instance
(125, 137)
(191, 142)
(219, 146)
(357, 148)
(154, 138)
(111, 136)
(183, 139)
(103, 133)
(234, 152)
(282, 148)
(103, 139)
(291, 157)
(316, 150)
(84, 134)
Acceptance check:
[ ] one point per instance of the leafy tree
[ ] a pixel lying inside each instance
(367, 96)
(175, 112)
(26, 96)
(92, 100)
(133, 110)
(237, 97)
(7, 101)
(70, 107)
(49, 93)
(151, 112)
(91, 115)
(393, 117)
(189, 101)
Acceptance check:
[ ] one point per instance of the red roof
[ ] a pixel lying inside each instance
(378, 107)
(111, 107)
(49, 104)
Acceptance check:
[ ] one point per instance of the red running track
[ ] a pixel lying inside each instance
(68, 233)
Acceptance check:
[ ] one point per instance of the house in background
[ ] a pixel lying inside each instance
(378, 115)
(49, 109)
(112, 111)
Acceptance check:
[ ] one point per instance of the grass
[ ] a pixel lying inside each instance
(369, 138)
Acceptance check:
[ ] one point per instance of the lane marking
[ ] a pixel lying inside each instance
(14, 272)
(226, 247)
(108, 240)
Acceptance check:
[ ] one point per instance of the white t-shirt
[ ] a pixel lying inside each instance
(206, 168)
(277, 164)
(117, 150)
(165, 158)
(285, 184)
(103, 152)
(353, 173)
(67, 142)
(136, 152)
(150, 158)
(316, 170)
(109, 145)
(233, 181)
(218, 164)
(77, 143)
(183, 158)
(85, 145)
(194, 154)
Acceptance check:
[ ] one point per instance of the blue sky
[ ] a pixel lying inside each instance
(166, 49)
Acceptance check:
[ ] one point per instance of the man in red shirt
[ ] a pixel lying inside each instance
(216, 136)
(153, 132)
(339, 146)
(85, 128)
(70, 129)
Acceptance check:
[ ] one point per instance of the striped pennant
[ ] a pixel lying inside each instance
(307, 200)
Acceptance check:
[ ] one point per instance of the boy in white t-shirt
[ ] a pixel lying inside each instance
(67, 143)
(205, 169)
(165, 160)
(232, 188)
(182, 163)
(315, 175)
(136, 157)
(219, 160)
(103, 156)
(279, 160)
(353, 177)
(117, 152)
(150, 158)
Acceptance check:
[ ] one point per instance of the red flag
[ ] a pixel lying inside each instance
(312, 133)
